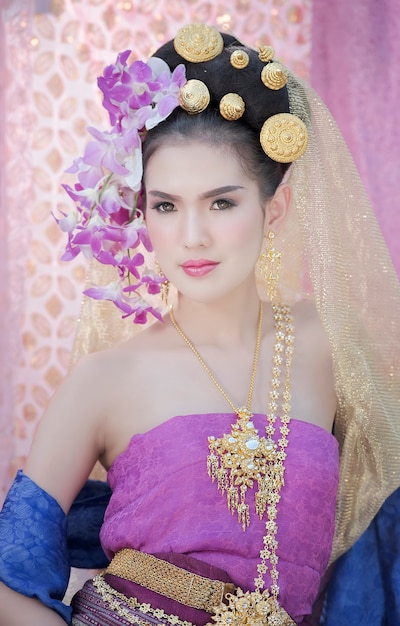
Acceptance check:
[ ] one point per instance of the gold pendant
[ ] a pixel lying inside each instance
(252, 608)
(239, 460)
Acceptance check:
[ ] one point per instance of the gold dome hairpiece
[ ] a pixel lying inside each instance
(194, 96)
(283, 137)
(266, 53)
(274, 75)
(198, 43)
(231, 106)
(239, 59)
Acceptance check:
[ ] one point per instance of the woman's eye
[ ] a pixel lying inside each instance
(164, 207)
(222, 204)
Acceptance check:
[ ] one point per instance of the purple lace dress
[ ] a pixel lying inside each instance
(164, 501)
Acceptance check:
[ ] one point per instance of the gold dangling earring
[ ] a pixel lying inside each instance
(164, 284)
(269, 265)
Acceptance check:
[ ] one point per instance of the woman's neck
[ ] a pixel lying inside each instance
(226, 322)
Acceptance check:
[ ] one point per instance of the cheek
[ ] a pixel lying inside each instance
(157, 231)
(244, 232)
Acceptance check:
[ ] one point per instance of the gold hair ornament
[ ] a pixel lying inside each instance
(198, 43)
(266, 53)
(268, 267)
(274, 75)
(231, 106)
(283, 137)
(239, 59)
(194, 96)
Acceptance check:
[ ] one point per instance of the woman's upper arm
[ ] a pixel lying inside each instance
(69, 437)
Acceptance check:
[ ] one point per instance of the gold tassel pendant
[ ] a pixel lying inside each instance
(240, 459)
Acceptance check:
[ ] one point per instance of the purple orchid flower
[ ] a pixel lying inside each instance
(107, 222)
(114, 292)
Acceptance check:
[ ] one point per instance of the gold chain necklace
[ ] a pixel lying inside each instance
(243, 410)
(237, 465)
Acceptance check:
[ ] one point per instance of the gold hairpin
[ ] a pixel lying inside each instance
(266, 53)
(283, 137)
(274, 75)
(198, 43)
(231, 106)
(239, 59)
(194, 96)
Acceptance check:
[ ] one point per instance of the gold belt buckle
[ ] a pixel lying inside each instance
(228, 588)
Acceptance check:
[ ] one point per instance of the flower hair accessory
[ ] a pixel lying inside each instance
(108, 224)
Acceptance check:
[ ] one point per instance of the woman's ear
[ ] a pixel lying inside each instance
(277, 208)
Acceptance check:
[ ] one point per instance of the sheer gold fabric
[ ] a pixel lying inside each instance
(333, 252)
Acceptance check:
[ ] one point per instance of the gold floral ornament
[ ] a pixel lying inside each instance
(283, 137)
(274, 75)
(231, 106)
(238, 460)
(266, 53)
(198, 43)
(194, 96)
(251, 609)
(239, 59)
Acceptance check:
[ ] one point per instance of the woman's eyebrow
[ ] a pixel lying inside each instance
(162, 194)
(220, 190)
(207, 194)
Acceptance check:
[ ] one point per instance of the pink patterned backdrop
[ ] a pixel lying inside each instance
(53, 50)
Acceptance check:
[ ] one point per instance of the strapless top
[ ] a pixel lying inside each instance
(164, 501)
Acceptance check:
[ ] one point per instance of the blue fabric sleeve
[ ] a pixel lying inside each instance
(84, 522)
(33, 549)
(365, 584)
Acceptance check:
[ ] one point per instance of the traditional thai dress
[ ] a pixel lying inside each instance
(164, 503)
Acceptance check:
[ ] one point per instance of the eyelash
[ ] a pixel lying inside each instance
(228, 204)
(161, 206)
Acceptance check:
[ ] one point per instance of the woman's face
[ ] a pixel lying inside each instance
(204, 217)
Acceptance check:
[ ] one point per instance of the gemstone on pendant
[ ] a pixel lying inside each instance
(232, 440)
(250, 466)
(250, 425)
(252, 443)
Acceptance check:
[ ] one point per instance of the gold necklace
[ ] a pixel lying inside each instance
(237, 459)
(243, 410)
(237, 465)
(242, 440)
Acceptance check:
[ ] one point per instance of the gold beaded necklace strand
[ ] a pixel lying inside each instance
(242, 441)
(261, 461)
(242, 409)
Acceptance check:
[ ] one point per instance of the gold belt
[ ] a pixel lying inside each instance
(169, 580)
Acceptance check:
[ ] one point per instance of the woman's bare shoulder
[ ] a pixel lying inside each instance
(72, 433)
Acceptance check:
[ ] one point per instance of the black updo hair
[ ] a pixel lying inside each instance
(241, 136)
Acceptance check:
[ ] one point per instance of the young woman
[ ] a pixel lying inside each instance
(214, 423)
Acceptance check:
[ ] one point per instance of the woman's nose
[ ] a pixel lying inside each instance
(195, 229)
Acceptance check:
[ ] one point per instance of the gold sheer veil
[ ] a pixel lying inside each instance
(333, 251)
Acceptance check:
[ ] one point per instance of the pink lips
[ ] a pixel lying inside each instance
(198, 267)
